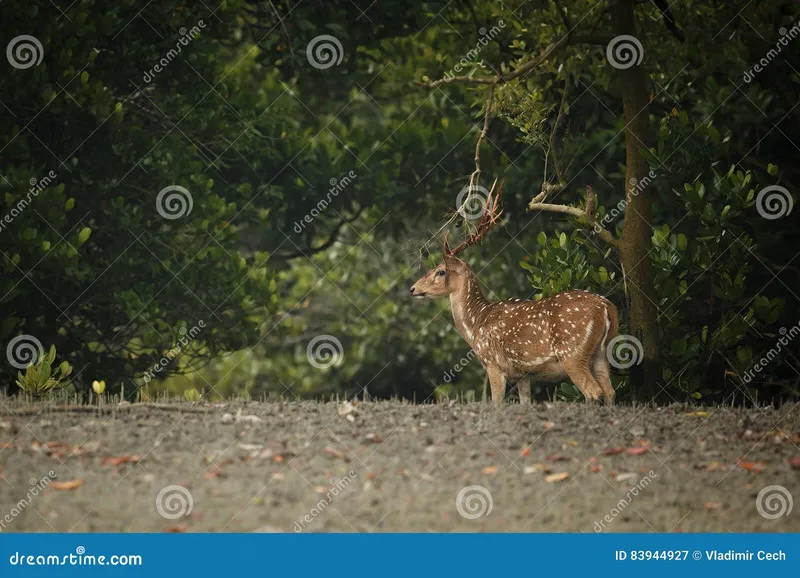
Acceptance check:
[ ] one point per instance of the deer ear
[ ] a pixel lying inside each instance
(445, 247)
(451, 263)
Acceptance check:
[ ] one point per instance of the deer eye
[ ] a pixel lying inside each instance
(440, 273)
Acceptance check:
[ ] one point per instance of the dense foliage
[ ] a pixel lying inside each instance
(200, 192)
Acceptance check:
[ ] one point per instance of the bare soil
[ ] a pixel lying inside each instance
(286, 466)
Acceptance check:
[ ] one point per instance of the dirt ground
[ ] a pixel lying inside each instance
(391, 466)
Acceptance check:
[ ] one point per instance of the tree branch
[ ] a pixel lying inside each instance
(588, 214)
(551, 49)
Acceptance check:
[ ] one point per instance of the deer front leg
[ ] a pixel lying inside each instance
(498, 383)
(524, 391)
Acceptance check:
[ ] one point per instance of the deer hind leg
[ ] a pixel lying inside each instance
(524, 391)
(497, 382)
(578, 371)
(602, 373)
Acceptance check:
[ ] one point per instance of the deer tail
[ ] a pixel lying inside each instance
(612, 324)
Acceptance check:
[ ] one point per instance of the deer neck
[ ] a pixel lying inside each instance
(468, 303)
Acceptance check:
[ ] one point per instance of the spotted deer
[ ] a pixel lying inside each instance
(563, 336)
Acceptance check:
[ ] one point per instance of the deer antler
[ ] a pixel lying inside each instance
(488, 219)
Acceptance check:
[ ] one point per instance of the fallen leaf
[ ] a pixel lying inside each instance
(752, 466)
(4, 445)
(335, 453)
(374, 438)
(129, 459)
(548, 424)
(490, 470)
(560, 477)
(625, 477)
(213, 472)
(526, 452)
(70, 485)
(795, 463)
(713, 505)
(557, 458)
(699, 413)
(176, 529)
(636, 451)
(613, 451)
(595, 468)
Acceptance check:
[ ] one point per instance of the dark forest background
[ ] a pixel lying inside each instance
(317, 157)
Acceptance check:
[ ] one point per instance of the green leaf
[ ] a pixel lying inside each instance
(772, 169)
(83, 236)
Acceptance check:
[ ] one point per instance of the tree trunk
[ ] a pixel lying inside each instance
(635, 240)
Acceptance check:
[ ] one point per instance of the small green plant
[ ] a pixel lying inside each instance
(40, 378)
(192, 395)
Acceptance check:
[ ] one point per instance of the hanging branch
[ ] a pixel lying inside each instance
(588, 214)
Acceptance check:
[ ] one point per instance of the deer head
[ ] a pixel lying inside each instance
(452, 273)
